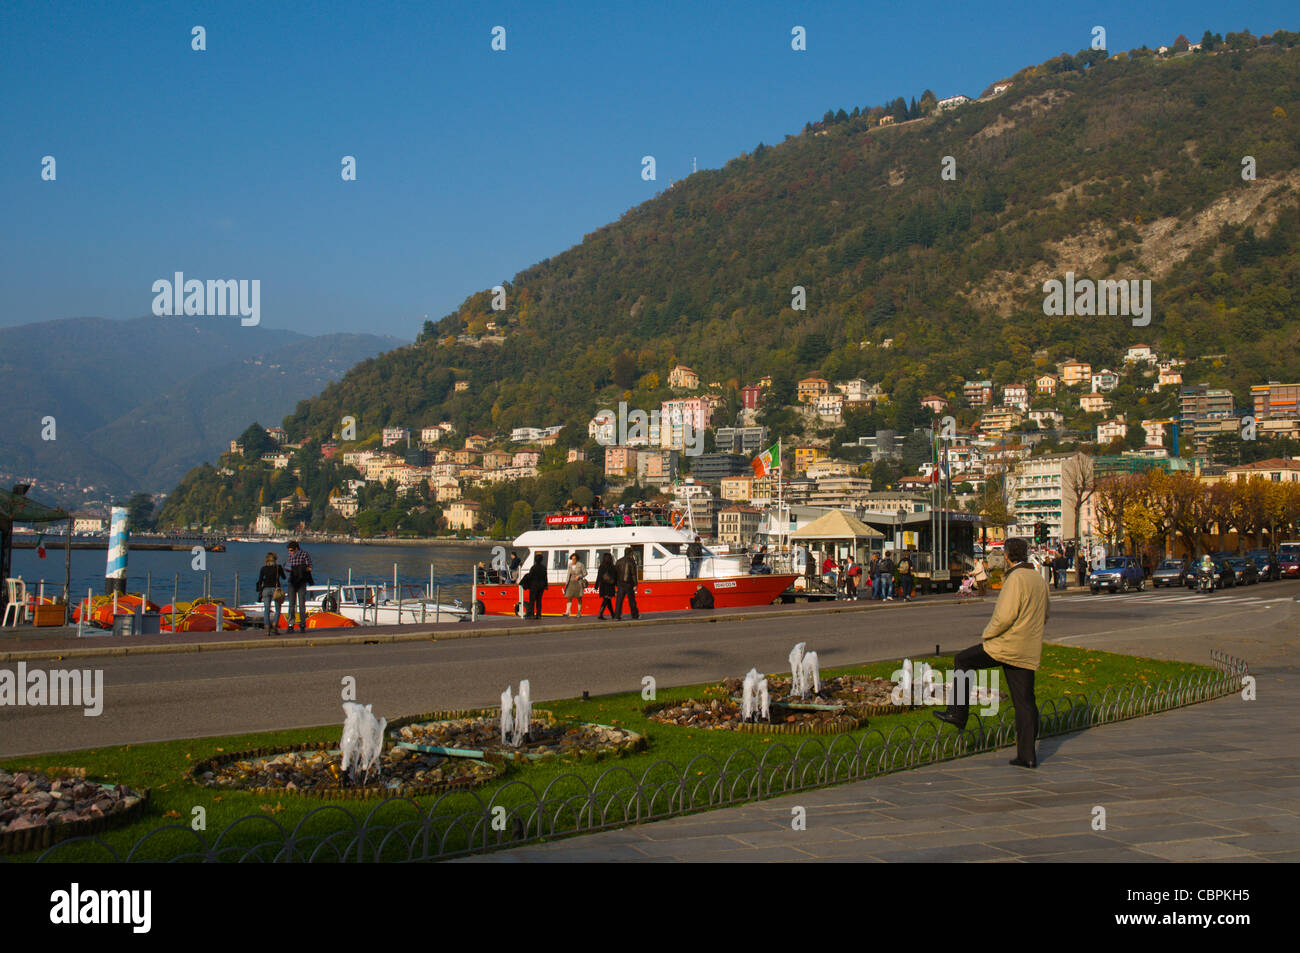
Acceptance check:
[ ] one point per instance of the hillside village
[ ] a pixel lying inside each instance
(1026, 443)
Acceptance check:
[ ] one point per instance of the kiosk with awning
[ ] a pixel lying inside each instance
(17, 507)
(838, 534)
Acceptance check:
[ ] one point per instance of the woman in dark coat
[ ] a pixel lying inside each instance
(605, 583)
(268, 584)
(535, 583)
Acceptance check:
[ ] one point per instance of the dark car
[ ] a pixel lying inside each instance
(1119, 574)
(1223, 574)
(1289, 565)
(1169, 573)
(1244, 570)
(1261, 559)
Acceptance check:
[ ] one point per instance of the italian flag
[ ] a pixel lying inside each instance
(767, 461)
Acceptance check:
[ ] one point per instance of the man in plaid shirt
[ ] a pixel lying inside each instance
(299, 564)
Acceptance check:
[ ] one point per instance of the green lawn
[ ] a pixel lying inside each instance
(695, 754)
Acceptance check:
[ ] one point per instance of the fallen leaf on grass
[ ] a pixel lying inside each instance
(172, 814)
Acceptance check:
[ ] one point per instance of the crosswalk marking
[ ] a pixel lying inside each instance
(1168, 599)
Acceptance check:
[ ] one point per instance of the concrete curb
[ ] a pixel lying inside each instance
(429, 635)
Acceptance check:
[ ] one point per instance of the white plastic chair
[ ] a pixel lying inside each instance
(17, 604)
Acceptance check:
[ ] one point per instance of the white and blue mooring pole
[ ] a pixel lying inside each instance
(115, 573)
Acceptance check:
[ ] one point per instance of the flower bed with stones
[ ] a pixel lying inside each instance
(863, 695)
(477, 733)
(37, 809)
(316, 771)
(724, 714)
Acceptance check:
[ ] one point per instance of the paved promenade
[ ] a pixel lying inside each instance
(1217, 781)
(1214, 782)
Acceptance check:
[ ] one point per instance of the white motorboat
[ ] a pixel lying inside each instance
(374, 604)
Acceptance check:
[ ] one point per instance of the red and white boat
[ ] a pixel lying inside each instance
(665, 585)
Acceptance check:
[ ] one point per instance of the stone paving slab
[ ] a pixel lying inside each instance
(1168, 798)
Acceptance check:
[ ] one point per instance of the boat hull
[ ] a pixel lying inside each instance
(665, 595)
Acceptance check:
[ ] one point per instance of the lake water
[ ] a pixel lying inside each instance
(331, 561)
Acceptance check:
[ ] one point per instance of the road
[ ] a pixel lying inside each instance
(162, 697)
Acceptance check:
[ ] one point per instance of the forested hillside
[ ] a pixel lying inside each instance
(1128, 168)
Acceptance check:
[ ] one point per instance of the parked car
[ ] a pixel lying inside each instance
(1223, 573)
(1169, 573)
(1118, 574)
(1244, 570)
(1289, 565)
(1260, 558)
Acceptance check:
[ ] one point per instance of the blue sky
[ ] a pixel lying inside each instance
(471, 165)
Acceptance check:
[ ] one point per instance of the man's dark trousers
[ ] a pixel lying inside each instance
(628, 593)
(1021, 683)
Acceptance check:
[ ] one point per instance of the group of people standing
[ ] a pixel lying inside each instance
(274, 582)
(887, 580)
(615, 584)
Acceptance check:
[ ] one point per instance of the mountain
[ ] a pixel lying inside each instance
(1126, 167)
(137, 403)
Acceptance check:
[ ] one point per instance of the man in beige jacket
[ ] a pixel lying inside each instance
(1013, 639)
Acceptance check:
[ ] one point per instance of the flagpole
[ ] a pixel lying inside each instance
(780, 506)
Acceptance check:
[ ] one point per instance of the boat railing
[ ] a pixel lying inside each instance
(600, 519)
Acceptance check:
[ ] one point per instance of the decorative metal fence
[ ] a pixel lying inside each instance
(399, 829)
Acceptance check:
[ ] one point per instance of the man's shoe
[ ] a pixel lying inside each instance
(952, 718)
(1023, 764)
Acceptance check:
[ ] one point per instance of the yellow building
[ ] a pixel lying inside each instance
(463, 514)
(810, 388)
(804, 456)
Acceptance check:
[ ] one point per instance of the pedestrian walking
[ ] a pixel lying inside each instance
(852, 572)
(981, 576)
(300, 578)
(1013, 639)
(574, 584)
(606, 584)
(625, 575)
(905, 578)
(885, 578)
(269, 591)
(871, 576)
(1060, 565)
(535, 586)
(517, 577)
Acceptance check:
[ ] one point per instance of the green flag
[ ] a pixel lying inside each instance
(767, 461)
